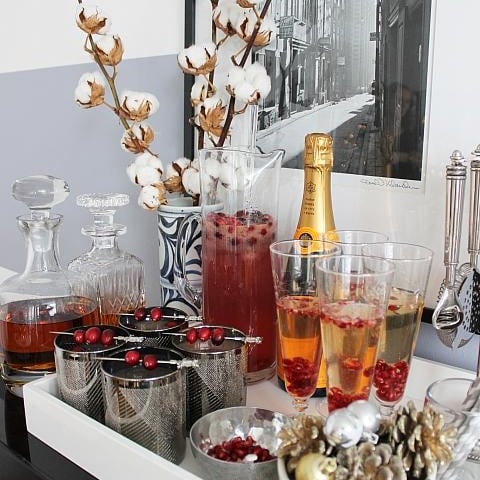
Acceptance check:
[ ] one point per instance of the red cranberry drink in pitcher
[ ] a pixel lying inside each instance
(237, 279)
(239, 196)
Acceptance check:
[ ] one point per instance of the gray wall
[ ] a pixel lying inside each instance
(43, 131)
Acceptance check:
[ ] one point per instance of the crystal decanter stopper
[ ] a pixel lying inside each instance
(44, 298)
(118, 275)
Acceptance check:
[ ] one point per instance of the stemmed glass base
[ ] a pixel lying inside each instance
(300, 404)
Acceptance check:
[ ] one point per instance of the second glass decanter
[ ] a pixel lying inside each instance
(118, 275)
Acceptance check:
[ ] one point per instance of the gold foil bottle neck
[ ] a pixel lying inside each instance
(318, 150)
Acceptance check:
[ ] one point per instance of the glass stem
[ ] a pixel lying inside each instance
(300, 404)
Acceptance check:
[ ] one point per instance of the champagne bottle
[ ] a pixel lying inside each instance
(316, 220)
(316, 212)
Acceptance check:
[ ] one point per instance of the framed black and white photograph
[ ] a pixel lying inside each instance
(354, 69)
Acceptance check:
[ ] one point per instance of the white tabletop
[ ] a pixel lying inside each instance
(268, 395)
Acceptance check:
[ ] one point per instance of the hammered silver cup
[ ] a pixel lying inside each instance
(220, 379)
(151, 331)
(147, 406)
(79, 379)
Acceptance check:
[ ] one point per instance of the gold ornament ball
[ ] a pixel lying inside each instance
(315, 466)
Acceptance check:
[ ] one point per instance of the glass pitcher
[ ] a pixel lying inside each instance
(239, 204)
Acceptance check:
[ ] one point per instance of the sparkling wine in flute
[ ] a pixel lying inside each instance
(300, 342)
(397, 342)
(350, 335)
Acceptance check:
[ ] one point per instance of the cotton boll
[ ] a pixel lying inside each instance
(138, 105)
(181, 163)
(210, 48)
(235, 76)
(191, 181)
(105, 42)
(90, 90)
(196, 55)
(263, 85)
(212, 102)
(156, 163)
(212, 167)
(82, 93)
(144, 159)
(151, 197)
(170, 171)
(199, 90)
(132, 173)
(227, 176)
(147, 175)
(246, 92)
(253, 71)
(195, 163)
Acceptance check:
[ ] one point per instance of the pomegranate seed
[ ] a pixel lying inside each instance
(191, 336)
(171, 324)
(150, 362)
(79, 336)
(239, 450)
(140, 313)
(218, 336)
(106, 338)
(132, 357)
(393, 308)
(92, 335)
(156, 314)
(204, 334)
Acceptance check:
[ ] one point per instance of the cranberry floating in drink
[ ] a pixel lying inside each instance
(239, 201)
(44, 298)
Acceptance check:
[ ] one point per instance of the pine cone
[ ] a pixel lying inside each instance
(369, 462)
(302, 436)
(420, 439)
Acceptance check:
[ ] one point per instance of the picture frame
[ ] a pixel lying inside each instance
(357, 70)
(405, 209)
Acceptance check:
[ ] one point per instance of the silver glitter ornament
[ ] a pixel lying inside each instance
(343, 428)
(368, 413)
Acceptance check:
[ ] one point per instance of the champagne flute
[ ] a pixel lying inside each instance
(298, 314)
(404, 313)
(354, 292)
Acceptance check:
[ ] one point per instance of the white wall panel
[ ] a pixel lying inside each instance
(42, 34)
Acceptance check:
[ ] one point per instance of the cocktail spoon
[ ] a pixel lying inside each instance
(448, 313)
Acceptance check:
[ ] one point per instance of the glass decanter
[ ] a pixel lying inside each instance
(118, 275)
(44, 298)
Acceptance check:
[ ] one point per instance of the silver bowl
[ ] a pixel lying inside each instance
(221, 425)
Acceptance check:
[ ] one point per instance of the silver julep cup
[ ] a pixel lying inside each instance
(79, 379)
(219, 381)
(147, 406)
(151, 331)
